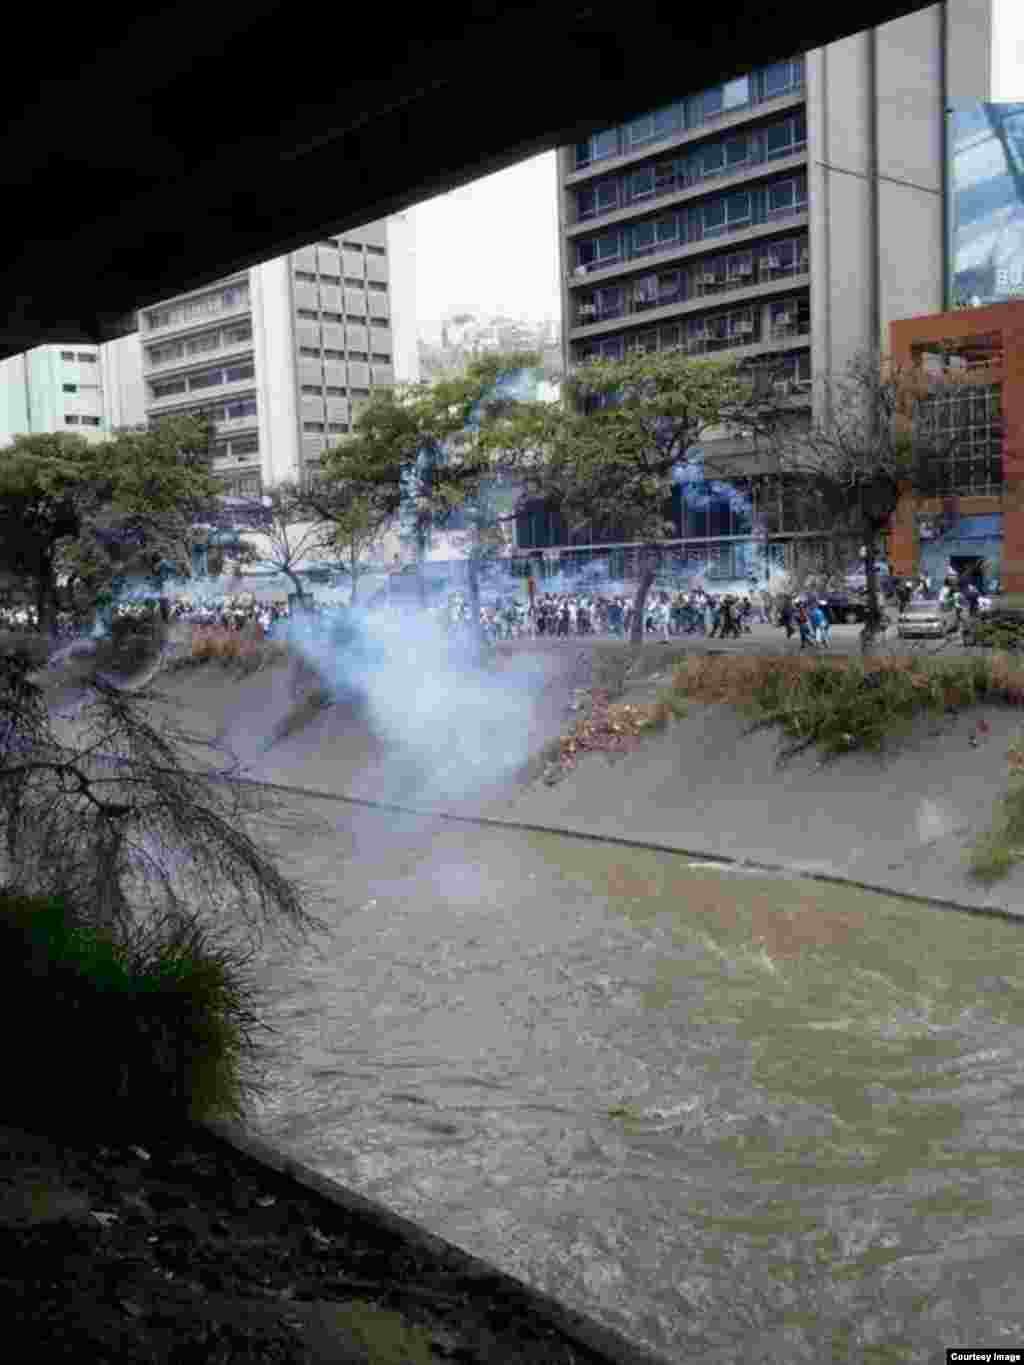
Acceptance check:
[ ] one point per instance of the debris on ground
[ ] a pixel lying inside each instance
(607, 727)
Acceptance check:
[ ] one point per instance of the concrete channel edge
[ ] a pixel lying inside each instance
(606, 1344)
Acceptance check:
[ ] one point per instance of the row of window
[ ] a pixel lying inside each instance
(206, 379)
(723, 156)
(320, 427)
(251, 486)
(781, 319)
(80, 388)
(225, 412)
(698, 279)
(235, 335)
(312, 353)
(312, 315)
(86, 357)
(374, 286)
(238, 448)
(191, 310)
(694, 112)
(714, 217)
(969, 419)
(72, 421)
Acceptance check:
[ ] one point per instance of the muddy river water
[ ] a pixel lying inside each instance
(735, 1117)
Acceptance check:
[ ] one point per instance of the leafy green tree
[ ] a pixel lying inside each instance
(421, 446)
(611, 453)
(94, 510)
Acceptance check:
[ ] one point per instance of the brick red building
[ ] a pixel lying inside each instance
(982, 515)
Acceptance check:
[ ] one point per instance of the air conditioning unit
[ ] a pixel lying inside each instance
(744, 328)
(784, 320)
(782, 388)
(709, 279)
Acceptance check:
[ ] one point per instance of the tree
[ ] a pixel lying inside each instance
(418, 448)
(877, 435)
(118, 812)
(287, 536)
(612, 453)
(357, 516)
(93, 510)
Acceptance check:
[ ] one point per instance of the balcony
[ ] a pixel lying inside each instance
(598, 271)
(229, 424)
(198, 322)
(684, 187)
(705, 286)
(242, 388)
(723, 122)
(226, 351)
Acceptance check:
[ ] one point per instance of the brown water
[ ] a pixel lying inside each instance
(734, 1117)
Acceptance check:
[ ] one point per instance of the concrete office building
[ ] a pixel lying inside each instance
(784, 218)
(281, 356)
(87, 390)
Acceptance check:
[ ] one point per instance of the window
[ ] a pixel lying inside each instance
(245, 408)
(711, 102)
(313, 389)
(70, 388)
(235, 296)
(782, 197)
(738, 208)
(667, 228)
(359, 393)
(642, 238)
(168, 387)
(245, 445)
(238, 372)
(668, 120)
(307, 314)
(712, 158)
(332, 391)
(87, 358)
(206, 380)
(209, 342)
(326, 278)
(67, 355)
(241, 332)
(312, 426)
(330, 317)
(736, 93)
(737, 149)
(337, 426)
(380, 358)
(777, 79)
(641, 183)
(358, 355)
(90, 421)
(376, 250)
(376, 287)
(354, 284)
(306, 276)
(665, 177)
(311, 351)
(604, 144)
(352, 246)
(333, 355)
(641, 130)
(669, 287)
(607, 195)
(714, 216)
(71, 421)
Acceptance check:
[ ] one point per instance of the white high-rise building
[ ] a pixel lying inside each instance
(282, 356)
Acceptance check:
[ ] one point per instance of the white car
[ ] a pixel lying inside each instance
(926, 620)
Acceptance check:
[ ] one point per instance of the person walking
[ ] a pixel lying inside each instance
(804, 622)
(820, 624)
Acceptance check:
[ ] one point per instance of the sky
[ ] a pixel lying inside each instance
(493, 245)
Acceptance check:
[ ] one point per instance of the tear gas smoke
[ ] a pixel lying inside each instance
(454, 725)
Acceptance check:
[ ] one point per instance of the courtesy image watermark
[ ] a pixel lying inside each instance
(986, 1355)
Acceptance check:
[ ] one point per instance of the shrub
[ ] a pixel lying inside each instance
(156, 1024)
(994, 854)
(838, 705)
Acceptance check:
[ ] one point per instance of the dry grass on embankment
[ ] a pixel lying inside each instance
(834, 704)
(241, 651)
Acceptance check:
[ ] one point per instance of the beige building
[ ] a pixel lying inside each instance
(281, 356)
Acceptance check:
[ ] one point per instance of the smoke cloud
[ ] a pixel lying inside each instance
(454, 724)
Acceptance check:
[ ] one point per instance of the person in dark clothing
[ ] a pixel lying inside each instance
(786, 619)
(563, 621)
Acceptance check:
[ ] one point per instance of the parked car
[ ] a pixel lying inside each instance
(845, 608)
(926, 620)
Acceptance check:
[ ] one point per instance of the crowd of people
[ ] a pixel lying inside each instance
(549, 615)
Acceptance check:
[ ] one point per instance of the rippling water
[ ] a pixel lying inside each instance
(731, 1116)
